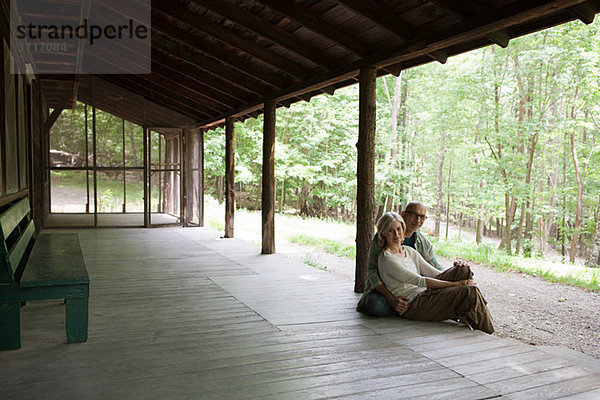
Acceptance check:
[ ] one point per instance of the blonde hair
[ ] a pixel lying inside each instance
(384, 223)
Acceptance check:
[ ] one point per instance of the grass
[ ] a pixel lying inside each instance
(329, 245)
(587, 278)
(311, 261)
(481, 254)
(110, 191)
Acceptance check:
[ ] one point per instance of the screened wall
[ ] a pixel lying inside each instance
(107, 171)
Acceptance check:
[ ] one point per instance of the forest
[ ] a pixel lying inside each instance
(504, 141)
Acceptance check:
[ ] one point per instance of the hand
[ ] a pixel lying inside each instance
(467, 282)
(400, 304)
(462, 264)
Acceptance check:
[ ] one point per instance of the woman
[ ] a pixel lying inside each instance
(433, 296)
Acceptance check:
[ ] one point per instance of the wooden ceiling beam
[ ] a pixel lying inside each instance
(156, 96)
(500, 37)
(174, 89)
(317, 83)
(395, 69)
(160, 24)
(57, 77)
(496, 19)
(155, 85)
(459, 8)
(247, 46)
(382, 16)
(463, 11)
(330, 90)
(585, 12)
(214, 82)
(317, 24)
(83, 16)
(166, 72)
(183, 52)
(258, 25)
(439, 56)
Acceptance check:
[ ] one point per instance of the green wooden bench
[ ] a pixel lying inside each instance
(50, 266)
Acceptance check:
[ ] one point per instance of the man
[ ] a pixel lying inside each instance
(377, 300)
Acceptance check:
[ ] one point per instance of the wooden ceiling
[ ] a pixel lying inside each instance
(212, 59)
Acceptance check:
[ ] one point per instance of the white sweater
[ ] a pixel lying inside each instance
(405, 276)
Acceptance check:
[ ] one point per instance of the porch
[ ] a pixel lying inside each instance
(180, 313)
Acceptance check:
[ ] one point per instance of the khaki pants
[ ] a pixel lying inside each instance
(452, 302)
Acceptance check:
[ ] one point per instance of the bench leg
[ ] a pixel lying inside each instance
(77, 320)
(10, 326)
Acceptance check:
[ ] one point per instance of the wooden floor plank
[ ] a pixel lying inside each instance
(574, 388)
(455, 388)
(538, 382)
(588, 395)
(338, 385)
(180, 314)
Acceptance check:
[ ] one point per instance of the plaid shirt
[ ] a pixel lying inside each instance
(422, 245)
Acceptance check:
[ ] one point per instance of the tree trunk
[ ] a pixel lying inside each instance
(404, 142)
(438, 210)
(133, 147)
(498, 228)
(520, 230)
(524, 99)
(525, 205)
(394, 103)
(579, 210)
(282, 196)
(389, 202)
(509, 199)
(448, 199)
(511, 208)
(593, 259)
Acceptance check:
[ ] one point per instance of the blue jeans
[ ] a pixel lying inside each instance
(377, 306)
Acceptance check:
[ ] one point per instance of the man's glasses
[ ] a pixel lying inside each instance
(414, 214)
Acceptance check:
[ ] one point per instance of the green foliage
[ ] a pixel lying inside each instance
(118, 143)
(106, 202)
(313, 262)
(496, 108)
(110, 198)
(528, 247)
(330, 246)
(216, 224)
(498, 260)
(481, 254)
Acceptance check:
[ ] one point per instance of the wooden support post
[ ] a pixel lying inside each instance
(147, 191)
(229, 176)
(268, 180)
(365, 193)
(200, 167)
(2, 121)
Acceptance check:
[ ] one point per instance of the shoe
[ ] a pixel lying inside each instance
(465, 321)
